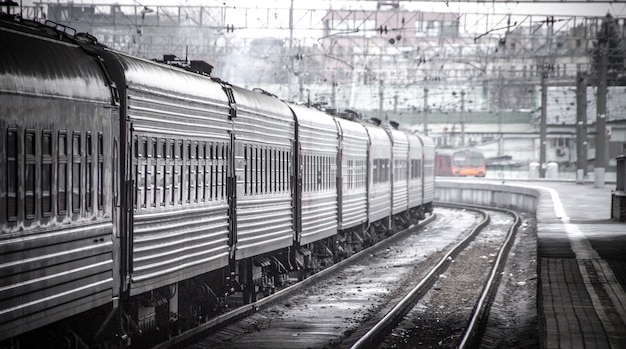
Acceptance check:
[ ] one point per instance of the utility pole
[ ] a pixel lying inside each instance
(462, 118)
(425, 111)
(333, 96)
(581, 127)
(291, 55)
(395, 103)
(600, 161)
(381, 97)
(544, 116)
(544, 104)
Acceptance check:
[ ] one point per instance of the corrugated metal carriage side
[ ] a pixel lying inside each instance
(415, 173)
(400, 168)
(354, 143)
(379, 181)
(264, 138)
(429, 172)
(318, 148)
(179, 150)
(56, 230)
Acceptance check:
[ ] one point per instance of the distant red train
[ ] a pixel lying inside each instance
(460, 163)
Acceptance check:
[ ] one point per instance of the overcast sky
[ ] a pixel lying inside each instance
(593, 8)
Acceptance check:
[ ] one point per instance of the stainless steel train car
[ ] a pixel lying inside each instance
(139, 198)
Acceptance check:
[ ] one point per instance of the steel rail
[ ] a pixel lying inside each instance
(373, 336)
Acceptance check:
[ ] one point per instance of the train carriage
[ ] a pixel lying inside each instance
(379, 188)
(354, 143)
(460, 162)
(138, 196)
(400, 168)
(264, 201)
(265, 136)
(416, 161)
(428, 177)
(178, 154)
(56, 138)
(317, 137)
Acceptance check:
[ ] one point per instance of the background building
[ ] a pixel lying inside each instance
(467, 83)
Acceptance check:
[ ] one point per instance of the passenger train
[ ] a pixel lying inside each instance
(460, 163)
(139, 196)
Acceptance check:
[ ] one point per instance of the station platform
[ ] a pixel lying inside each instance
(582, 268)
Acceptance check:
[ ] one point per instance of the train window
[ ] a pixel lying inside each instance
(254, 165)
(222, 169)
(310, 172)
(270, 160)
(201, 173)
(283, 161)
(62, 173)
(144, 175)
(188, 174)
(314, 168)
(88, 173)
(153, 148)
(181, 171)
(349, 176)
(144, 148)
(162, 173)
(281, 171)
(196, 168)
(307, 170)
(275, 174)
(213, 171)
(100, 171)
(414, 173)
(245, 169)
(155, 171)
(12, 174)
(320, 169)
(267, 171)
(385, 170)
(46, 173)
(208, 153)
(375, 171)
(209, 181)
(30, 175)
(257, 166)
(172, 171)
(323, 173)
(76, 172)
(330, 172)
(288, 179)
(307, 173)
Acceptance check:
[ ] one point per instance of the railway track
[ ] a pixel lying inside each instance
(356, 303)
(471, 309)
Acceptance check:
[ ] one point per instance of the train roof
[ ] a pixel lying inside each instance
(37, 60)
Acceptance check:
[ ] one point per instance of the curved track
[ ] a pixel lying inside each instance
(467, 293)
